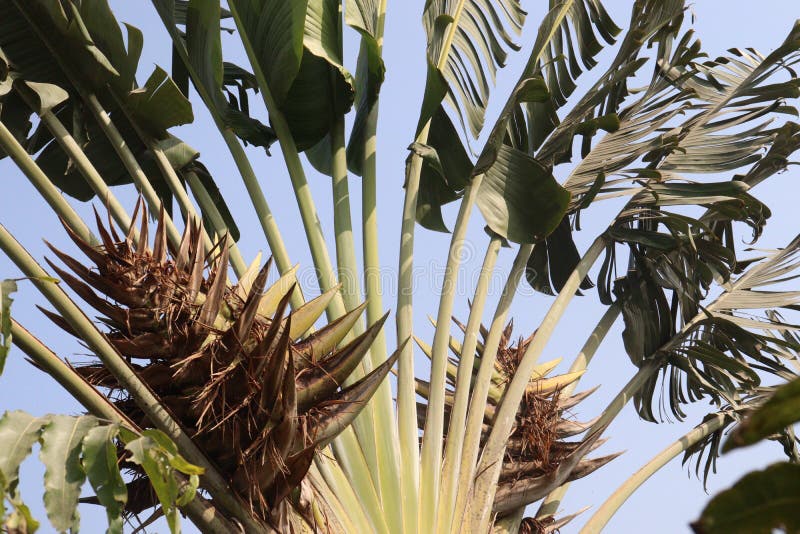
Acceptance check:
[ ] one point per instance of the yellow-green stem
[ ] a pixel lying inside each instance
(346, 445)
(488, 471)
(551, 503)
(305, 202)
(86, 168)
(72, 382)
(431, 454)
(385, 416)
(364, 424)
(131, 165)
(268, 224)
(458, 413)
(42, 183)
(406, 395)
(336, 480)
(218, 225)
(480, 391)
(604, 514)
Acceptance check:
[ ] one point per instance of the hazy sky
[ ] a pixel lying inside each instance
(671, 499)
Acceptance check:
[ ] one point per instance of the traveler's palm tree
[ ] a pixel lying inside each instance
(230, 400)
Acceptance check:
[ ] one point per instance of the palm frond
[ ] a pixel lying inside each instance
(723, 352)
(478, 34)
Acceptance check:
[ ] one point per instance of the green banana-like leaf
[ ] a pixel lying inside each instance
(274, 29)
(202, 49)
(653, 24)
(159, 105)
(55, 163)
(45, 96)
(199, 56)
(364, 17)
(476, 38)
(720, 349)
(751, 291)
(442, 182)
(35, 62)
(520, 199)
(154, 465)
(105, 31)
(297, 46)
(729, 102)
(323, 89)
(554, 61)
(468, 41)
(100, 61)
(759, 503)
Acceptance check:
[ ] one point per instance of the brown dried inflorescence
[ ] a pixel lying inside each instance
(532, 525)
(229, 363)
(538, 457)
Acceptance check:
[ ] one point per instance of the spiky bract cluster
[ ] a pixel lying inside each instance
(538, 459)
(256, 393)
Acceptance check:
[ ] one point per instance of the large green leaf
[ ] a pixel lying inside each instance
(28, 34)
(204, 61)
(55, 163)
(60, 453)
(148, 111)
(479, 38)
(566, 34)
(44, 96)
(363, 16)
(319, 94)
(101, 24)
(7, 287)
(723, 347)
(552, 261)
(159, 105)
(653, 25)
(782, 410)
(520, 199)
(15, 115)
(759, 503)
(445, 171)
(274, 30)
(323, 90)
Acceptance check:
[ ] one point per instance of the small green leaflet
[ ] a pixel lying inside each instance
(74, 449)
(6, 288)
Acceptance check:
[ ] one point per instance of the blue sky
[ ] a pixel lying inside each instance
(672, 498)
